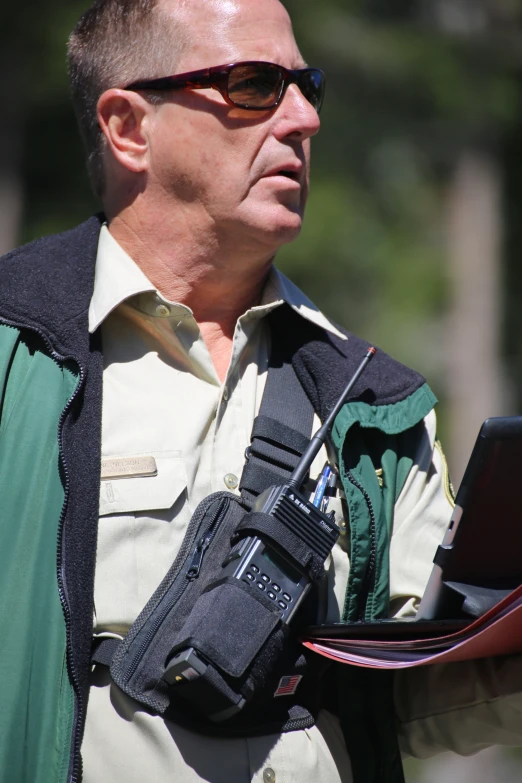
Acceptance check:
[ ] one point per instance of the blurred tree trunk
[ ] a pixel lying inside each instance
(13, 101)
(475, 263)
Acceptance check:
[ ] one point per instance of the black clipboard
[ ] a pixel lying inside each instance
(480, 559)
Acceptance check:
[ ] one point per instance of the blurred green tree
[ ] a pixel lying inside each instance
(405, 98)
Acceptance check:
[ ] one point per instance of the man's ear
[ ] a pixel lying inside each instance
(123, 119)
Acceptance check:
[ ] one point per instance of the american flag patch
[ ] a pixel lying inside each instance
(288, 685)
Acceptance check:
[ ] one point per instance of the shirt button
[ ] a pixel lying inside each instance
(231, 481)
(162, 310)
(269, 776)
(225, 394)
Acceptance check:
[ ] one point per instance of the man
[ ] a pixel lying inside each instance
(142, 338)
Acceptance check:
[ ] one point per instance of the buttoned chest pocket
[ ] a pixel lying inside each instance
(141, 482)
(144, 515)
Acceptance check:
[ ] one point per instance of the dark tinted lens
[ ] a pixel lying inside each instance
(257, 86)
(311, 84)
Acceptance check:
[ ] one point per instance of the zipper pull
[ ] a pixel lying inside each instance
(204, 542)
(197, 559)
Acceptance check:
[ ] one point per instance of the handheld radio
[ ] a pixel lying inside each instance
(258, 563)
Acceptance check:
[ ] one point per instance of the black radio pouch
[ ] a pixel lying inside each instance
(253, 661)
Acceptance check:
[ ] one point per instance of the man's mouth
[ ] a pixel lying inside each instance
(293, 174)
(290, 174)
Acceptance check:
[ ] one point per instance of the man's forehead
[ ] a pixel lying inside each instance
(235, 29)
(201, 10)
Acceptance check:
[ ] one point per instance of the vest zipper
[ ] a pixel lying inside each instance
(75, 765)
(75, 768)
(368, 578)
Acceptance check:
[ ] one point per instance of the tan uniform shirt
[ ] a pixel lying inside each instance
(163, 399)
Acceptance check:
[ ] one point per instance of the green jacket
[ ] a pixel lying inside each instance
(50, 439)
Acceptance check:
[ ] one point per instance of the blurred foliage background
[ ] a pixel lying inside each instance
(412, 233)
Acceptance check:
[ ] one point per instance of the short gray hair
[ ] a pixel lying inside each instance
(117, 42)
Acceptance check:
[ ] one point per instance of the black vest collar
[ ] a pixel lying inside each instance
(48, 284)
(325, 363)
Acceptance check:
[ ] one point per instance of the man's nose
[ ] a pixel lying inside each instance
(296, 116)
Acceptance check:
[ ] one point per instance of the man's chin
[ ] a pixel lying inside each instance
(283, 225)
(289, 234)
(265, 227)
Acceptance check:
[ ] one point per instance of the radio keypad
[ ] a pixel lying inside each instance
(263, 583)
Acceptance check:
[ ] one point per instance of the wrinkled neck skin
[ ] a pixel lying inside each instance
(192, 262)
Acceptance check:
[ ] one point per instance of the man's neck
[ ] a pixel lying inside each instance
(217, 289)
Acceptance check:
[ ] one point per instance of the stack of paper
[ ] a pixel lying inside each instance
(498, 632)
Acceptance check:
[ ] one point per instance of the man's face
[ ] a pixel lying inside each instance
(216, 166)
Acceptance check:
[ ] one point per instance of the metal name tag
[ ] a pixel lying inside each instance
(128, 467)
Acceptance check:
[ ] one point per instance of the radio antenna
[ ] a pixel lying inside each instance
(297, 477)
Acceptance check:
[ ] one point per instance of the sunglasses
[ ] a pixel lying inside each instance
(248, 85)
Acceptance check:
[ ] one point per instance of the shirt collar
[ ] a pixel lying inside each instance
(279, 289)
(118, 278)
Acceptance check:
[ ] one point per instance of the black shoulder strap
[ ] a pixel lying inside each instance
(280, 434)
(281, 431)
